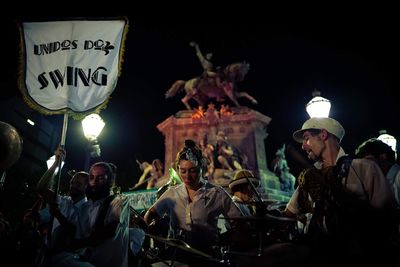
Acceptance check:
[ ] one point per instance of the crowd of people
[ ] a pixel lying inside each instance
(343, 211)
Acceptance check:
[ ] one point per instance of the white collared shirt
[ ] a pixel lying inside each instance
(199, 217)
(113, 251)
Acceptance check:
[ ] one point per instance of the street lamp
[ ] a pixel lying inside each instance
(388, 139)
(318, 106)
(51, 161)
(92, 126)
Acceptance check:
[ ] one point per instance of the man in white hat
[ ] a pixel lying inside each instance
(359, 181)
(320, 139)
(331, 132)
(242, 191)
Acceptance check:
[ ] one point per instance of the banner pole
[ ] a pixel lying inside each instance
(62, 144)
(64, 130)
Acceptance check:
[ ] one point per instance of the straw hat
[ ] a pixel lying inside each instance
(330, 125)
(241, 178)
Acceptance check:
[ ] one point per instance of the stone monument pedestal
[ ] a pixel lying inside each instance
(245, 128)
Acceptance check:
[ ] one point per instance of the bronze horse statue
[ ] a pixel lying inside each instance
(218, 85)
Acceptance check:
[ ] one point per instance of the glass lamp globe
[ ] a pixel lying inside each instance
(92, 126)
(318, 106)
(388, 139)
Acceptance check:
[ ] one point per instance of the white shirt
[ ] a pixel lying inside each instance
(113, 251)
(76, 214)
(199, 218)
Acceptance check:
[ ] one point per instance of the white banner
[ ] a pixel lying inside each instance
(71, 65)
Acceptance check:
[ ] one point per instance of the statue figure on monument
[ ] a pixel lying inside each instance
(208, 152)
(281, 169)
(207, 65)
(212, 114)
(151, 173)
(220, 84)
(228, 156)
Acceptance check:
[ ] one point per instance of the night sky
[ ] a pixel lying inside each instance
(354, 65)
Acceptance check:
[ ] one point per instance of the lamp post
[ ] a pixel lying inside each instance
(92, 126)
(318, 106)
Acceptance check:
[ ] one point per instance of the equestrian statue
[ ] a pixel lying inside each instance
(218, 84)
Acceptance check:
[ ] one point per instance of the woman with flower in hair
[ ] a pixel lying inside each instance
(193, 207)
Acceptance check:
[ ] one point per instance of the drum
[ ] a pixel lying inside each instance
(281, 229)
(239, 239)
(252, 235)
(175, 250)
(10, 146)
(280, 254)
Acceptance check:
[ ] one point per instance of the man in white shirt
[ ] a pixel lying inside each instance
(344, 200)
(108, 242)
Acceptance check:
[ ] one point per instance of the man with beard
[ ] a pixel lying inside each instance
(349, 200)
(109, 220)
(99, 226)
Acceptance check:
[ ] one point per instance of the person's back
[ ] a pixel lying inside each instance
(383, 154)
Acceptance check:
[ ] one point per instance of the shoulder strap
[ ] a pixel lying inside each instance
(343, 164)
(103, 212)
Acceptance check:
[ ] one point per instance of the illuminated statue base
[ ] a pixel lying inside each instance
(245, 129)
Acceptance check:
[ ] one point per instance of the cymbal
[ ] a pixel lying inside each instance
(180, 244)
(266, 201)
(269, 204)
(266, 217)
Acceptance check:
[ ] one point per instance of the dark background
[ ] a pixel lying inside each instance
(354, 65)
